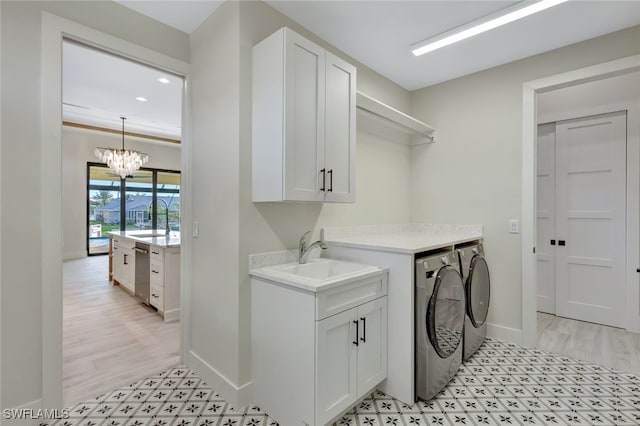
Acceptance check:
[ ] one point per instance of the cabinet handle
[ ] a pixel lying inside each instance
(155, 272)
(553, 242)
(154, 295)
(561, 242)
(357, 329)
(125, 259)
(324, 178)
(364, 329)
(330, 172)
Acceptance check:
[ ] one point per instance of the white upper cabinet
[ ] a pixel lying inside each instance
(304, 109)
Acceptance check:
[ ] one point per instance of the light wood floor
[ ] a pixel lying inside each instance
(110, 339)
(608, 346)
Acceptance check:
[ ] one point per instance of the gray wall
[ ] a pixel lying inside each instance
(231, 230)
(20, 270)
(474, 172)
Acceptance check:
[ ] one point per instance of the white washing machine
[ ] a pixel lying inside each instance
(440, 308)
(475, 275)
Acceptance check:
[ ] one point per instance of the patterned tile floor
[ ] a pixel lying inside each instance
(503, 384)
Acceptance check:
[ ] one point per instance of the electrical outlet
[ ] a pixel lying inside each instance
(196, 229)
(514, 226)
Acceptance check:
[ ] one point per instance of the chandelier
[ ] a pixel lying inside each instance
(122, 162)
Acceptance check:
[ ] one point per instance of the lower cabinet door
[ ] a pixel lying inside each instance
(336, 366)
(372, 348)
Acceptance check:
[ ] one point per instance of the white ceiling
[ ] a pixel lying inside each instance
(99, 88)
(377, 33)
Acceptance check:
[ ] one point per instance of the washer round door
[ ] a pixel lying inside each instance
(478, 291)
(445, 315)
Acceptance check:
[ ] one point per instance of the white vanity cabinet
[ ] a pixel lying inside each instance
(164, 279)
(304, 118)
(124, 268)
(315, 354)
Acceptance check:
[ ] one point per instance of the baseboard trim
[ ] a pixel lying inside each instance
(171, 315)
(237, 396)
(506, 334)
(70, 255)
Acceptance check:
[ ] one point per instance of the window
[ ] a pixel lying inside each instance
(139, 202)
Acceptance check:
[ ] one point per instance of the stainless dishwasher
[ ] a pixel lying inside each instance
(142, 281)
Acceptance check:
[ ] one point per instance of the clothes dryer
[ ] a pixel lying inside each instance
(475, 275)
(440, 312)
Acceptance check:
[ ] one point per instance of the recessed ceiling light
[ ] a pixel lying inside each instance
(482, 25)
(164, 80)
(141, 99)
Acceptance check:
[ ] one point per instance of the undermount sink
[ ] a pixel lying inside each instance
(322, 269)
(315, 274)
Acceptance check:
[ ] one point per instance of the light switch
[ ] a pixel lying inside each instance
(196, 229)
(514, 226)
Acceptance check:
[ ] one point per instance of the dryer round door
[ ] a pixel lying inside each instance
(478, 291)
(445, 315)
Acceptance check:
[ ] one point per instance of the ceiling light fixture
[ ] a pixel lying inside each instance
(164, 80)
(122, 162)
(482, 25)
(141, 99)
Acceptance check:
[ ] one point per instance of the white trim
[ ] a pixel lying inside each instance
(237, 396)
(54, 29)
(506, 334)
(71, 255)
(529, 129)
(171, 315)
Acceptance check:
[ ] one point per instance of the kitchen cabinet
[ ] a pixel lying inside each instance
(164, 271)
(304, 118)
(164, 267)
(316, 354)
(124, 263)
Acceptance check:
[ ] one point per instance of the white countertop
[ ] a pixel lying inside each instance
(409, 238)
(159, 240)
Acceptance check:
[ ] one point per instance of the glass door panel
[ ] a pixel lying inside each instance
(168, 190)
(139, 200)
(103, 208)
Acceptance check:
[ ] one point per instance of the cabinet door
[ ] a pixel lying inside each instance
(340, 129)
(336, 366)
(304, 118)
(118, 263)
(372, 348)
(128, 269)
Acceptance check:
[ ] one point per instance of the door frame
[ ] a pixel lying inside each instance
(53, 30)
(529, 135)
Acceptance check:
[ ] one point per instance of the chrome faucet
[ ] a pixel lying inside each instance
(166, 206)
(304, 248)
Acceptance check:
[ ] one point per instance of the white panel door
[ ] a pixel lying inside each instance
(336, 366)
(545, 217)
(340, 130)
(372, 347)
(304, 118)
(591, 214)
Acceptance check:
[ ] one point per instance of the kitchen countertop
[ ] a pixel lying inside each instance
(409, 238)
(160, 240)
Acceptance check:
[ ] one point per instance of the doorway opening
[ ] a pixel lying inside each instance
(534, 94)
(110, 336)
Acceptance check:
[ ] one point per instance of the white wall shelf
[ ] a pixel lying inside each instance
(420, 132)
